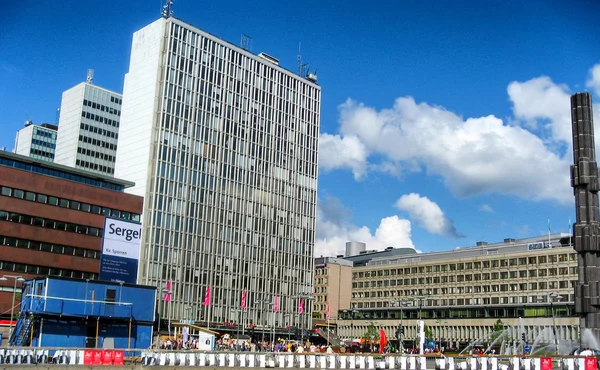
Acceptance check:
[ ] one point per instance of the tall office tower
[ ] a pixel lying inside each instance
(35, 141)
(223, 145)
(88, 128)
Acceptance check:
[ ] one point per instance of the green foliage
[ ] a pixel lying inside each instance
(428, 332)
(371, 334)
(499, 333)
(317, 315)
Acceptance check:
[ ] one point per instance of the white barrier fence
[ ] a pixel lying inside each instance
(22, 356)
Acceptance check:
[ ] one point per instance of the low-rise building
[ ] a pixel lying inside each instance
(461, 294)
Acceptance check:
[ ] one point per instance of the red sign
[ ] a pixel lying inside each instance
(88, 357)
(97, 357)
(591, 363)
(118, 358)
(546, 363)
(107, 357)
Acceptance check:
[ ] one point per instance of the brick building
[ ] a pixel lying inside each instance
(51, 220)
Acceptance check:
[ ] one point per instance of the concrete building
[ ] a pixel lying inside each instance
(222, 143)
(461, 294)
(331, 286)
(52, 220)
(62, 312)
(88, 129)
(36, 141)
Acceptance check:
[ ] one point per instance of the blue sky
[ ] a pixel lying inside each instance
(442, 123)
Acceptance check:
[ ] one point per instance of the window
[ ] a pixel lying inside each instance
(18, 193)
(30, 196)
(6, 191)
(41, 198)
(63, 203)
(111, 295)
(53, 201)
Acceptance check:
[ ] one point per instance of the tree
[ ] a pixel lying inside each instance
(316, 315)
(371, 335)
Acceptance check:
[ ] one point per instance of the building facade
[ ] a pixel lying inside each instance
(461, 294)
(51, 219)
(88, 129)
(332, 290)
(223, 145)
(36, 141)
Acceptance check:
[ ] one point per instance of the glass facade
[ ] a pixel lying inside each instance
(231, 200)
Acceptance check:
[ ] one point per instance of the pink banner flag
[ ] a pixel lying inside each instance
(207, 296)
(327, 312)
(301, 307)
(276, 304)
(167, 295)
(244, 297)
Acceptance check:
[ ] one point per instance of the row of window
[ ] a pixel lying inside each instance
(100, 119)
(43, 143)
(94, 166)
(95, 154)
(478, 265)
(114, 99)
(36, 168)
(96, 142)
(44, 133)
(100, 131)
(67, 203)
(48, 247)
(41, 153)
(504, 275)
(49, 223)
(102, 107)
(22, 268)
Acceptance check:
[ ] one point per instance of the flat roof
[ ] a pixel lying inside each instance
(59, 167)
(94, 281)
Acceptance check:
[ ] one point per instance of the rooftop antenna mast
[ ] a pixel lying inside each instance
(166, 10)
(302, 67)
(90, 76)
(246, 42)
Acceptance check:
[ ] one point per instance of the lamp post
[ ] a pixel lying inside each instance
(308, 298)
(401, 303)
(165, 292)
(12, 307)
(441, 327)
(553, 296)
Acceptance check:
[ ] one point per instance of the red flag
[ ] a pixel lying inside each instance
(327, 312)
(244, 296)
(301, 307)
(207, 296)
(382, 341)
(167, 296)
(276, 304)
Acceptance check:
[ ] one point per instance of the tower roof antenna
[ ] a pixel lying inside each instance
(90, 76)
(167, 10)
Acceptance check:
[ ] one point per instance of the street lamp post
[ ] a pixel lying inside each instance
(401, 303)
(441, 327)
(553, 296)
(12, 307)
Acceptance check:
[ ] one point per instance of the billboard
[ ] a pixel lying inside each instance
(120, 257)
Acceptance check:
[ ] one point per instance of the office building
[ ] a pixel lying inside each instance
(52, 219)
(36, 141)
(331, 286)
(461, 294)
(88, 129)
(222, 143)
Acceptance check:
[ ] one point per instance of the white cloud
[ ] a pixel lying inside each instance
(427, 214)
(486, 208)
(541, 99)
(593, 81)
(334, 229)
(474, 155)
(336, 151)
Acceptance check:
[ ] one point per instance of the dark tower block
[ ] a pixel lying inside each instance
(584, 180)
